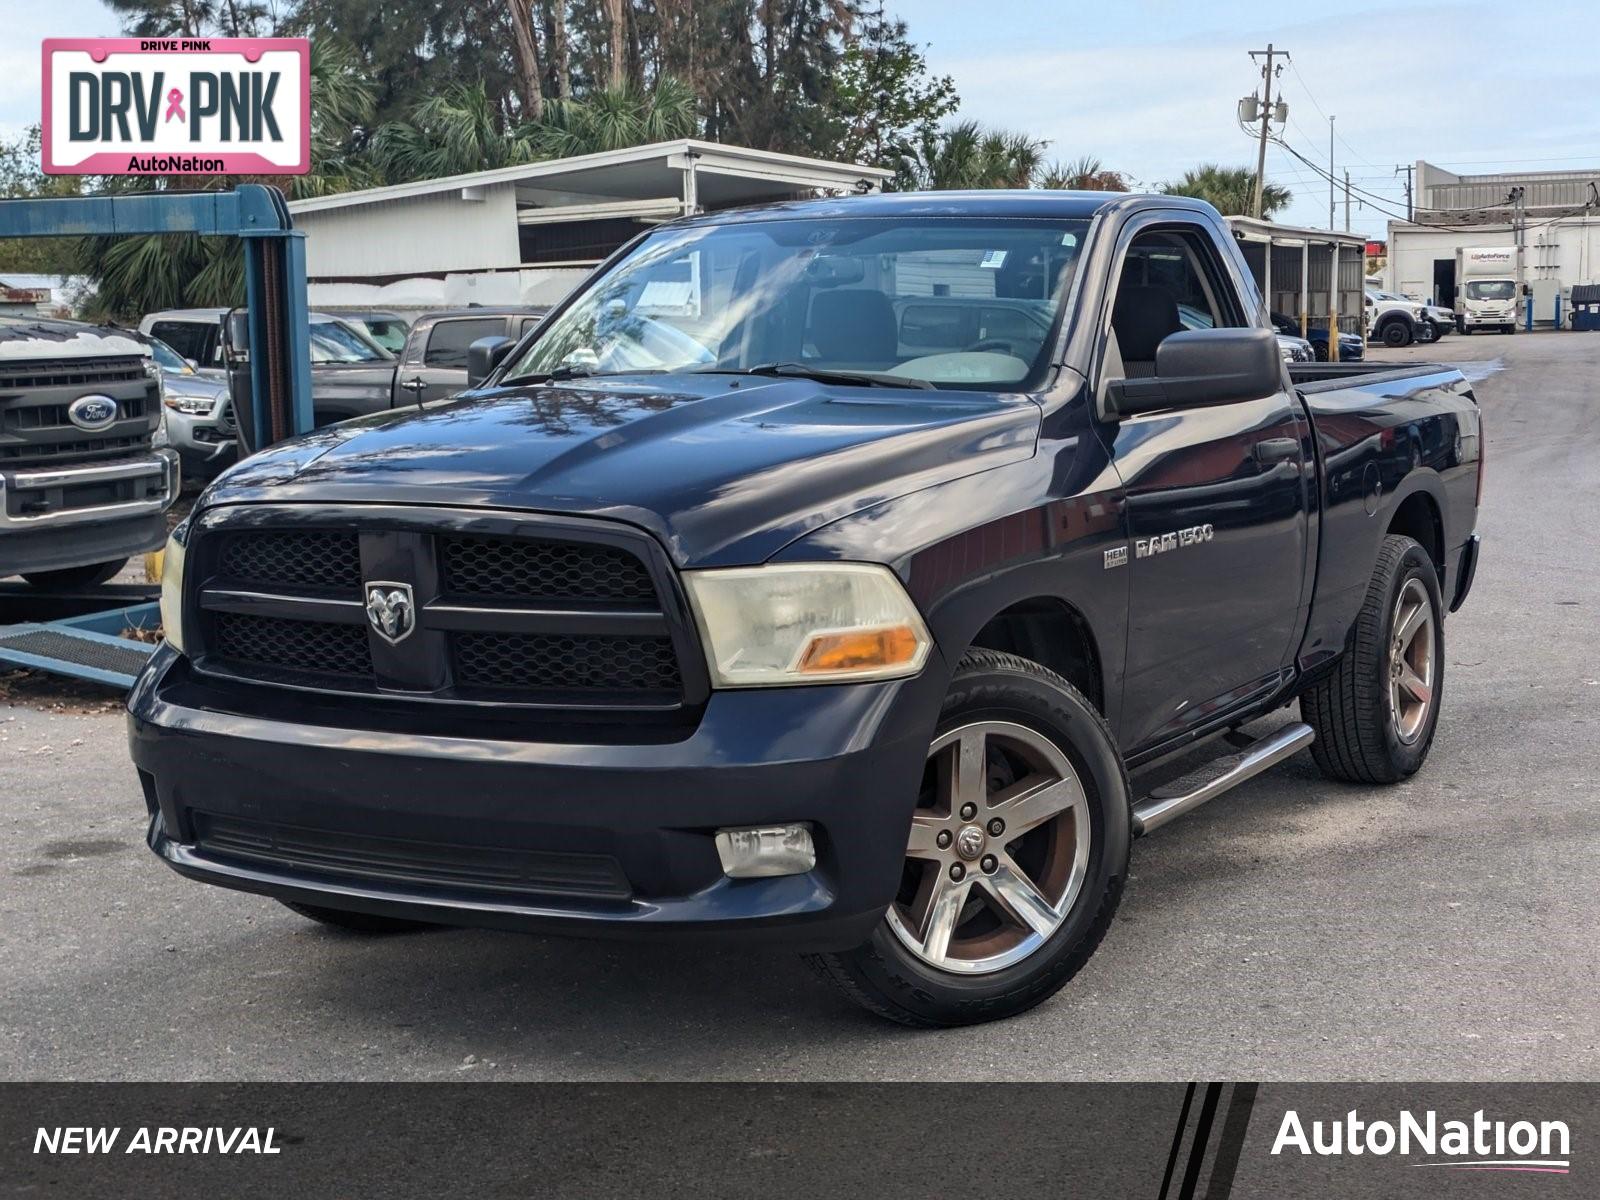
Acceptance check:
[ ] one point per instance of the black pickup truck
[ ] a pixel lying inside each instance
(821, 572)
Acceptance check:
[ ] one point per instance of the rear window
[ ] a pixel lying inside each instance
(191, 339)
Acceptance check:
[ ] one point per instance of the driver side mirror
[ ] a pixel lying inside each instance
(484, 355)
(1203, 367)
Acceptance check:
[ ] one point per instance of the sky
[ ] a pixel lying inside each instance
(1150, 87)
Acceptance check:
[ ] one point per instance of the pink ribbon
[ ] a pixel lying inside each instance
(175, 105)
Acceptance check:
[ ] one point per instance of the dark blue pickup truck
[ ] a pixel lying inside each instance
(823, 573)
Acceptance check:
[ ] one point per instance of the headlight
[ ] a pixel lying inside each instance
(152, 368)
(192, 406)
(172, 587)
(794, 623)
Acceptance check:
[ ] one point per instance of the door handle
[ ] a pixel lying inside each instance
(1276, 450)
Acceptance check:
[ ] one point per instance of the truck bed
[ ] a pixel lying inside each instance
(1326, 377)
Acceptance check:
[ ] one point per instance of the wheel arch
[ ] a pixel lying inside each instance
(1419, 515)
(1052, 632)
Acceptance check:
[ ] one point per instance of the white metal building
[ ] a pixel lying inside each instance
(527, 234)
(1553, 216)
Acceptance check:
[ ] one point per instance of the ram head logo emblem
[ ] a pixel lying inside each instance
(390, 610)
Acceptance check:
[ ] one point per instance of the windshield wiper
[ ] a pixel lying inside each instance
(794, 370)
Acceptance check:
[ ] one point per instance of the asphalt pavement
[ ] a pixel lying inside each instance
(1447, 928)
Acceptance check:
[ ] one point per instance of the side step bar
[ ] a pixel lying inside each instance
(1172, 800)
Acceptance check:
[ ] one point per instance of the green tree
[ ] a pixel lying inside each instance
(1087, 174)
(884, 100)
(967, 155)
(1230, 190)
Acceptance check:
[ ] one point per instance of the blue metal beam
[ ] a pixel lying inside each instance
(249, 208)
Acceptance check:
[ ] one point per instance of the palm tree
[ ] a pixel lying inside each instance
(1229, 189)
(967, 155)
(463, 130)
(1085, 175)
(615, 118)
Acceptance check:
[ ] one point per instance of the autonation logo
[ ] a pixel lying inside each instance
(1475, 1145)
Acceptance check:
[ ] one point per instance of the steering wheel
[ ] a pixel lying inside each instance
(998, 344)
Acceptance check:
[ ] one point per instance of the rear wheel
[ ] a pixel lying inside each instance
(1375, 716)
(1015, 860)
(77, 577)
(355, 922)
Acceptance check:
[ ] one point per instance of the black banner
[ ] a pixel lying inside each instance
(1162, 1141)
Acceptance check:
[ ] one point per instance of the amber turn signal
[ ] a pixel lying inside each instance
(858, 650)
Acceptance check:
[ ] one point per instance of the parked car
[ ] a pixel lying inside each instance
(351, 375)
(1441, 320)
(386, 328)
(1352, 346)
(1292, 349)
(718, 607)
(433, 363)
(199, 416)
(1396, 320)
(83, 483)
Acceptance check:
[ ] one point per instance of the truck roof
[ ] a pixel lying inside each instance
(1033, 202)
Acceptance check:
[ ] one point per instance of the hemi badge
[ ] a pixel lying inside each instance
(1117, 557)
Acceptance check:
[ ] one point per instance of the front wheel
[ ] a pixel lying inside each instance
(1015, 860)
(1397, 334)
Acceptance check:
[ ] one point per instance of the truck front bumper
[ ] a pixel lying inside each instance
(53, 518)
(595, 838)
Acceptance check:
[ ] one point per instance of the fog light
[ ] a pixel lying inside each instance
(766, 850)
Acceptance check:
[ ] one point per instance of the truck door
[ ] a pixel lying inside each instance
(1217, 500)
(435, 362)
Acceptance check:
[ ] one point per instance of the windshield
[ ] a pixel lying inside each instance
(168, 358)
(958, 303)
(332, 342)
(388, 332)
(1491, 289)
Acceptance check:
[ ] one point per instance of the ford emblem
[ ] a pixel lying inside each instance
(92, 413)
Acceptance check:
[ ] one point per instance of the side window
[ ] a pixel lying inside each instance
(1170, 280)
(527, 324)
(448, 342)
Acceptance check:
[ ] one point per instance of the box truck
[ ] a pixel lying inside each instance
(1486, 288)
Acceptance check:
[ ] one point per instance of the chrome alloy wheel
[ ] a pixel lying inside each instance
(1411, 662)
(998, 850)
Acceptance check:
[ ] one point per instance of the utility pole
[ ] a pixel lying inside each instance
(1268, 74)
(1519, 225)
(1347, 199)
(1330, 173)
(1408, 168)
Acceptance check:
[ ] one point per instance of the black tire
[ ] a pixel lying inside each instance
(1351, 709)
(355, 922)
(885, 977)
(1396, 334)
(1320, 349)
(76, 577)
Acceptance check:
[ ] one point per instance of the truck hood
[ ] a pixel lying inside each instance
(30, 338)
(724, 470)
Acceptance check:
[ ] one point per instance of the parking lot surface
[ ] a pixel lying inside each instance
(1295, 929)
